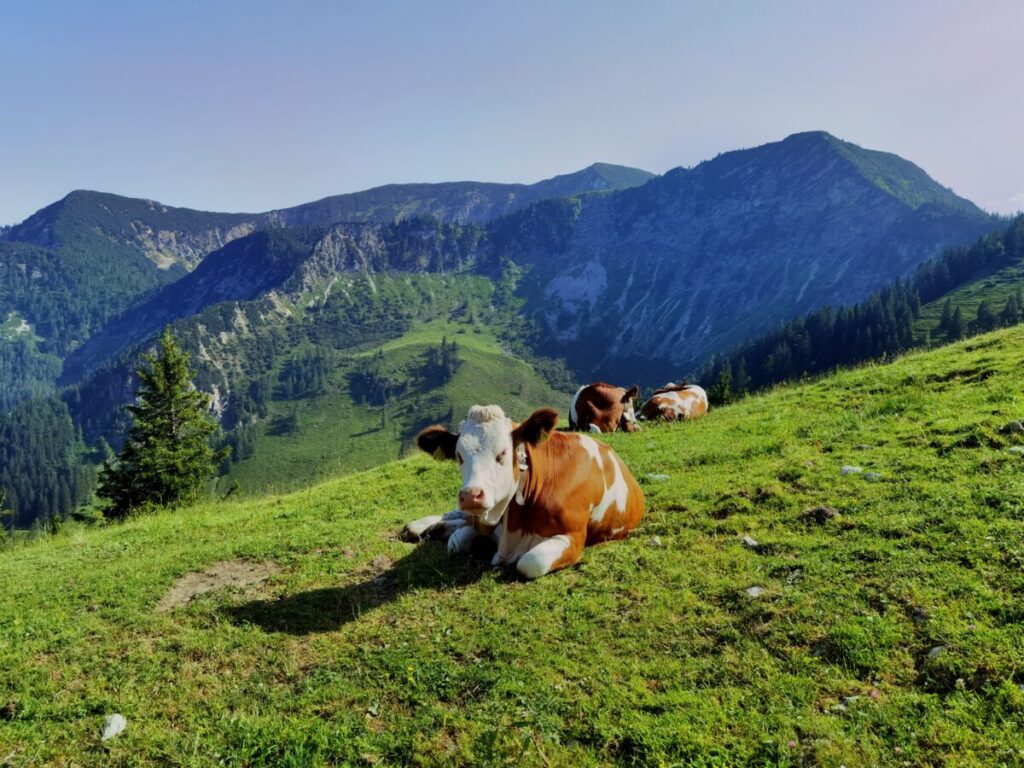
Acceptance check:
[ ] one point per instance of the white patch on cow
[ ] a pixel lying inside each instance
(539, 560)
(573, 418)
(593, 448)
(513, 545)
(616, 494)
(593, 429)
(485, 435)
(461, 539)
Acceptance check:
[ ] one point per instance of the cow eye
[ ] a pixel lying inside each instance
(500, 458)
(459, 457)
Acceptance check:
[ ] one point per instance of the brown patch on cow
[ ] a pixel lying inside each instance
(238, 574)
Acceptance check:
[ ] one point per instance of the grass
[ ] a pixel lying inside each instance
(363, 650)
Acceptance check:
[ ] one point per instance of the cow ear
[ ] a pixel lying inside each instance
(536, 428)
(632, 394)
(438, 442)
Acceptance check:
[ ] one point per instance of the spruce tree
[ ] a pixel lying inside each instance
(167, 458)
(955, 329)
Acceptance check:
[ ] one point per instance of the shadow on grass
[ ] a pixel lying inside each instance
(427, 567)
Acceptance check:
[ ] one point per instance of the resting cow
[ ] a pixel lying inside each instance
(544, 495)
(603, 407)
(676, 402)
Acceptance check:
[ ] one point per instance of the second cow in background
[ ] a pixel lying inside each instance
(602, 407)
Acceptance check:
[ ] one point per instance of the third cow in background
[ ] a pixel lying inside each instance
(675, 402)
(603, 407)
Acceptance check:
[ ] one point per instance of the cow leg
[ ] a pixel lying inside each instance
(434, 526)
(592, 427)
(461, 539)
(551, 554)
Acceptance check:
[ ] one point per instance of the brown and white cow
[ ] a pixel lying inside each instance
(603, 407)
(544, 495)
(676, 402)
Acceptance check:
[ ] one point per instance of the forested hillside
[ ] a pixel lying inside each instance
(968, 290)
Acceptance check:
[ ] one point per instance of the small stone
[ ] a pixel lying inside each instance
(821, 515)
(1013, 428)
(935, 652)
(919, 615)
(1018, 449)
(656, 541)
(850, 469)
(113, 725)
(659, 478)
(755, 591)
(850, 700)
(872, 477)
(750, 542)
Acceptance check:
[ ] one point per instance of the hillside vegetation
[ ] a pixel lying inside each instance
(887, 630)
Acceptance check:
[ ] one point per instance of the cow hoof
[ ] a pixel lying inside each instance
(594, 429)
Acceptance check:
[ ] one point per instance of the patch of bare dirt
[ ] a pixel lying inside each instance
(227, 573)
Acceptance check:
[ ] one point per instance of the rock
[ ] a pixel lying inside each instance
(919, 615)
(659, 478)
(755, 591)
(113, 725)
(848, 700)
(656, 541)
(750, 542)
(1018, 449)
(1013, 428)
(935, 652)
(849, 469)
(872, 477)
(821, 515)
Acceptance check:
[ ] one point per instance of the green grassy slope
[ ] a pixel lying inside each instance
(336, 434)
(995, 288)
(364, 650)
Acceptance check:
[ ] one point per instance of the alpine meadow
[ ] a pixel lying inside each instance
(712, 456)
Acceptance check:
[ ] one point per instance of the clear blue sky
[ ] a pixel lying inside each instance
(256, 105)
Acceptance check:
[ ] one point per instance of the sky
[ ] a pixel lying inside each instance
(249, 106)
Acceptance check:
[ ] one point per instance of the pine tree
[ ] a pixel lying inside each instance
(955, 329)
(986, 318)
(947, 316)
(741, 385)
(167, 458)
(721, 390)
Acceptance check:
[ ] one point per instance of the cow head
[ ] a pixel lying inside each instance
(485, 448)
(628, 421)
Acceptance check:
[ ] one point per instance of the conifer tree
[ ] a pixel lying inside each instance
(167, 458)
(955, 329)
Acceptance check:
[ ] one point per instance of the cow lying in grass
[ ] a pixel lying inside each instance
(675, 402)
(543, 495)
(603, 407)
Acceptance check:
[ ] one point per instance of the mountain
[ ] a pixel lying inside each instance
(73, 266)
(656, 279)
(298, 630)
(459, 202)
(298, 322)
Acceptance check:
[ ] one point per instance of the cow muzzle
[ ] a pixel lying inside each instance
(471, 499)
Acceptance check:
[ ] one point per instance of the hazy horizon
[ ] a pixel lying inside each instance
(255, 107)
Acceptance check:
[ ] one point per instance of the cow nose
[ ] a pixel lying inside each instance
(471, 497)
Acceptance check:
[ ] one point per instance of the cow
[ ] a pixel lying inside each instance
(603, 407)
(675, 402)
(543, 495)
